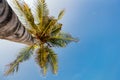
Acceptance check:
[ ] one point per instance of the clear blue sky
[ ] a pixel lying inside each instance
(95, 57)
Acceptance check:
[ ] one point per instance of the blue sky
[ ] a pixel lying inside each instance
(95, 57)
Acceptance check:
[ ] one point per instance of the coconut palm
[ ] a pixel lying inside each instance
(48, 35)
(10, 26)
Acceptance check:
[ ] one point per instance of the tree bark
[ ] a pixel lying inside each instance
(10, 26)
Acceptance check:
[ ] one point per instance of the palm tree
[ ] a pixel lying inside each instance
(10, 26)
(48, 35)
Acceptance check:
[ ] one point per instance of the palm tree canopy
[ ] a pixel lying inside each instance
(48, 34)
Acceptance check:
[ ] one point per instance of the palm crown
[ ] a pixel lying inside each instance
(47, 33)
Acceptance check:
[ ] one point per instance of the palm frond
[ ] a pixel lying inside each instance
(24, 55)
(61, 14)
(52, 57)
(44, 69)
(49, 27)
(19, 12)
(41, 10)
(56, 29)
(41, 57)
(47, 56)
(26, 12)
(61, 40)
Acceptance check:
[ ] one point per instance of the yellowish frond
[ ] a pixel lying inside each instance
(61, 14)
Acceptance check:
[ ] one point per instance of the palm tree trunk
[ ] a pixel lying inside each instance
(10, 26)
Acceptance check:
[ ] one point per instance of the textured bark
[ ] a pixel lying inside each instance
(10, 26)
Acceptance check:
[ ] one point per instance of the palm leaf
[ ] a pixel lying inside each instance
(61, 14)
(17, 9)
(49, 27)
(41, 10)
(52, 57)
(24, 55)
(61, 40)
(26, 13)
(44, 69)
(56, 29)
(41, 57)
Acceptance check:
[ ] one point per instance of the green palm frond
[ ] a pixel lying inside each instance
(41, 10)
(56, 29)
(41, 57)
(61, 40)
(26, 12)
(47, 56)
(52, 57)
(61, 14)
(24, 55)
(49, 27)
(44, 69)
